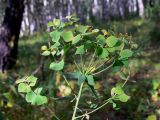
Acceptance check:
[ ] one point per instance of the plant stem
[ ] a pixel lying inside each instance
(77, 102)
(93, 110)
(104, 69)
(91, 61)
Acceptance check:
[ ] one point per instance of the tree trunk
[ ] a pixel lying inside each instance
(9, 33)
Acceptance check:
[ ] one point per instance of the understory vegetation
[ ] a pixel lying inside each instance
(142, 87)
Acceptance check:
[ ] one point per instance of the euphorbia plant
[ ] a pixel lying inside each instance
(92, 51)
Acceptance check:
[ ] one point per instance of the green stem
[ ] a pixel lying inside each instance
(93, 110)
(104, 69)
(77, 102)
(91, 61)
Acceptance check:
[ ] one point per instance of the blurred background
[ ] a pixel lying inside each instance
(25, 21)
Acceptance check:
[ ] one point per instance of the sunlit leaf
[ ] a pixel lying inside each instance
(36, 99)
(104, 53)
(68, 36)
(57, 66)
(46, 53)
(57, 22)
(111, 41)
(55, 36)
(125, 54)
(32, 80)
(80, 50)
(50, 24)
(38, 90)
(24, 88)
(123, 98)
(21, 80)
(76, 39)
(82, 29)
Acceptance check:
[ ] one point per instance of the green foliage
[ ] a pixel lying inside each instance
(111, 41)
(57, 66)
(25, 86)
(119, 94)
(92, 51)
(125, 54)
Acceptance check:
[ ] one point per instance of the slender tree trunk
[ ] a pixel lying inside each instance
(9, 33)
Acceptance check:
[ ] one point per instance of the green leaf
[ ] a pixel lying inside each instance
(30, 96)
(125, 62)
(67, 47)
(57, 44)
(81, 79)
(105, 53)
(36, 99)
(125, 54)
(53, 53)
(24, 88)
(32, 80)
(123, 98)
(76, 39)
(117, 65)
(82, 29)
(56, 22)
(38, 90)
(111, 50)
(111, 41)
(68, 36)
(57, 66)
(117, 90)
(90, 80)
(55, 36)
(40, 100)
(46, 53)
(21, 80)
(101, 40)
(119, 94)
(80, 50)
(99, 51)
(113, 103)
(50, 24)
